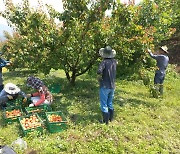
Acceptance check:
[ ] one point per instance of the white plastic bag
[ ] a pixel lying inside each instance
(19, 143)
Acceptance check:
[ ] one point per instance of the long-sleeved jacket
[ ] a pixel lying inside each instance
(4, 98)
(162, 62)
(107, 69)
(44, 94)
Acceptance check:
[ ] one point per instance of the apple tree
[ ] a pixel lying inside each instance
(134, 28)
(82, 34)
(41, 44)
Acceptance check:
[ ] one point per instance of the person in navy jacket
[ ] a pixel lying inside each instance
(3, 63)
(11, 92)
(162, 61)
(106, 76)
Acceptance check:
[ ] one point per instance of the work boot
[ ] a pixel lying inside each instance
(111, 114)
(105, 118)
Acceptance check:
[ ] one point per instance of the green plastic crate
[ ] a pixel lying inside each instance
(55, 88)
(40, 110)
(54, 127)
(25, 131)
(9, 120)
(16, 102)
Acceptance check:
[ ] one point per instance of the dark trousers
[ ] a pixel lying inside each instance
(1, 87)
(159, 78)
(158, 81)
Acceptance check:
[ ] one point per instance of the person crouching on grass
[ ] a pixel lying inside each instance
(42, 96)
(106, 76)
(162, 62)
(11, 92)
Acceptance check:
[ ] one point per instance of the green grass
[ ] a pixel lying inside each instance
(142, 124)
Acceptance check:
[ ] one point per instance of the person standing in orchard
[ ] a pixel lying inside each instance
(106, 77)
(162, 61)
(3, 63)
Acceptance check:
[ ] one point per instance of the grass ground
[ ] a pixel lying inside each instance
(142, 124)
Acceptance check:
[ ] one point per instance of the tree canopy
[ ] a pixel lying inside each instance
(73, 43)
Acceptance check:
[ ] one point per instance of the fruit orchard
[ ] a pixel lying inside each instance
(72, 44)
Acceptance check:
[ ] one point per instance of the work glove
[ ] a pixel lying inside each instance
(28, 95)
(9, 97)
(8, 64)
(31, 105)
(25, 100)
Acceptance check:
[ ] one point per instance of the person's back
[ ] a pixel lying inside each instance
(162, 62)
(109, 73)
(106, 76)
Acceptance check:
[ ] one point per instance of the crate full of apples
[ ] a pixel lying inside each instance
(40, 110)
(55, 121)
(31, 123)
(11, 114)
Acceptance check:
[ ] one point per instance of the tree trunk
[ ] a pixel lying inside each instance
(72, 82)
(73, 78)
(68, 76)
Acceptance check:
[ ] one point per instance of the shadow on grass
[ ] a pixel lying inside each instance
(84, 96)
(84, 119)
(133, 99)
(134, 102)
(17, 73)
(81, 102)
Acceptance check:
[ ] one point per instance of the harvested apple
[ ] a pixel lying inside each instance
(13, 113)
(54, 118)
(30, 122)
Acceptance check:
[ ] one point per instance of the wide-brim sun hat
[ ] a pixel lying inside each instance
(165, 48)
(107, 52)
(11, 88)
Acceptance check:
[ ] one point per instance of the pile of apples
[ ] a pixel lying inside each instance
(30, 122)
(54, 118)
(13, 113)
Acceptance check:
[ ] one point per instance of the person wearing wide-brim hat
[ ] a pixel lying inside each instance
(11, 92)
(107, 52)
(162, 61)
(106, 76)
